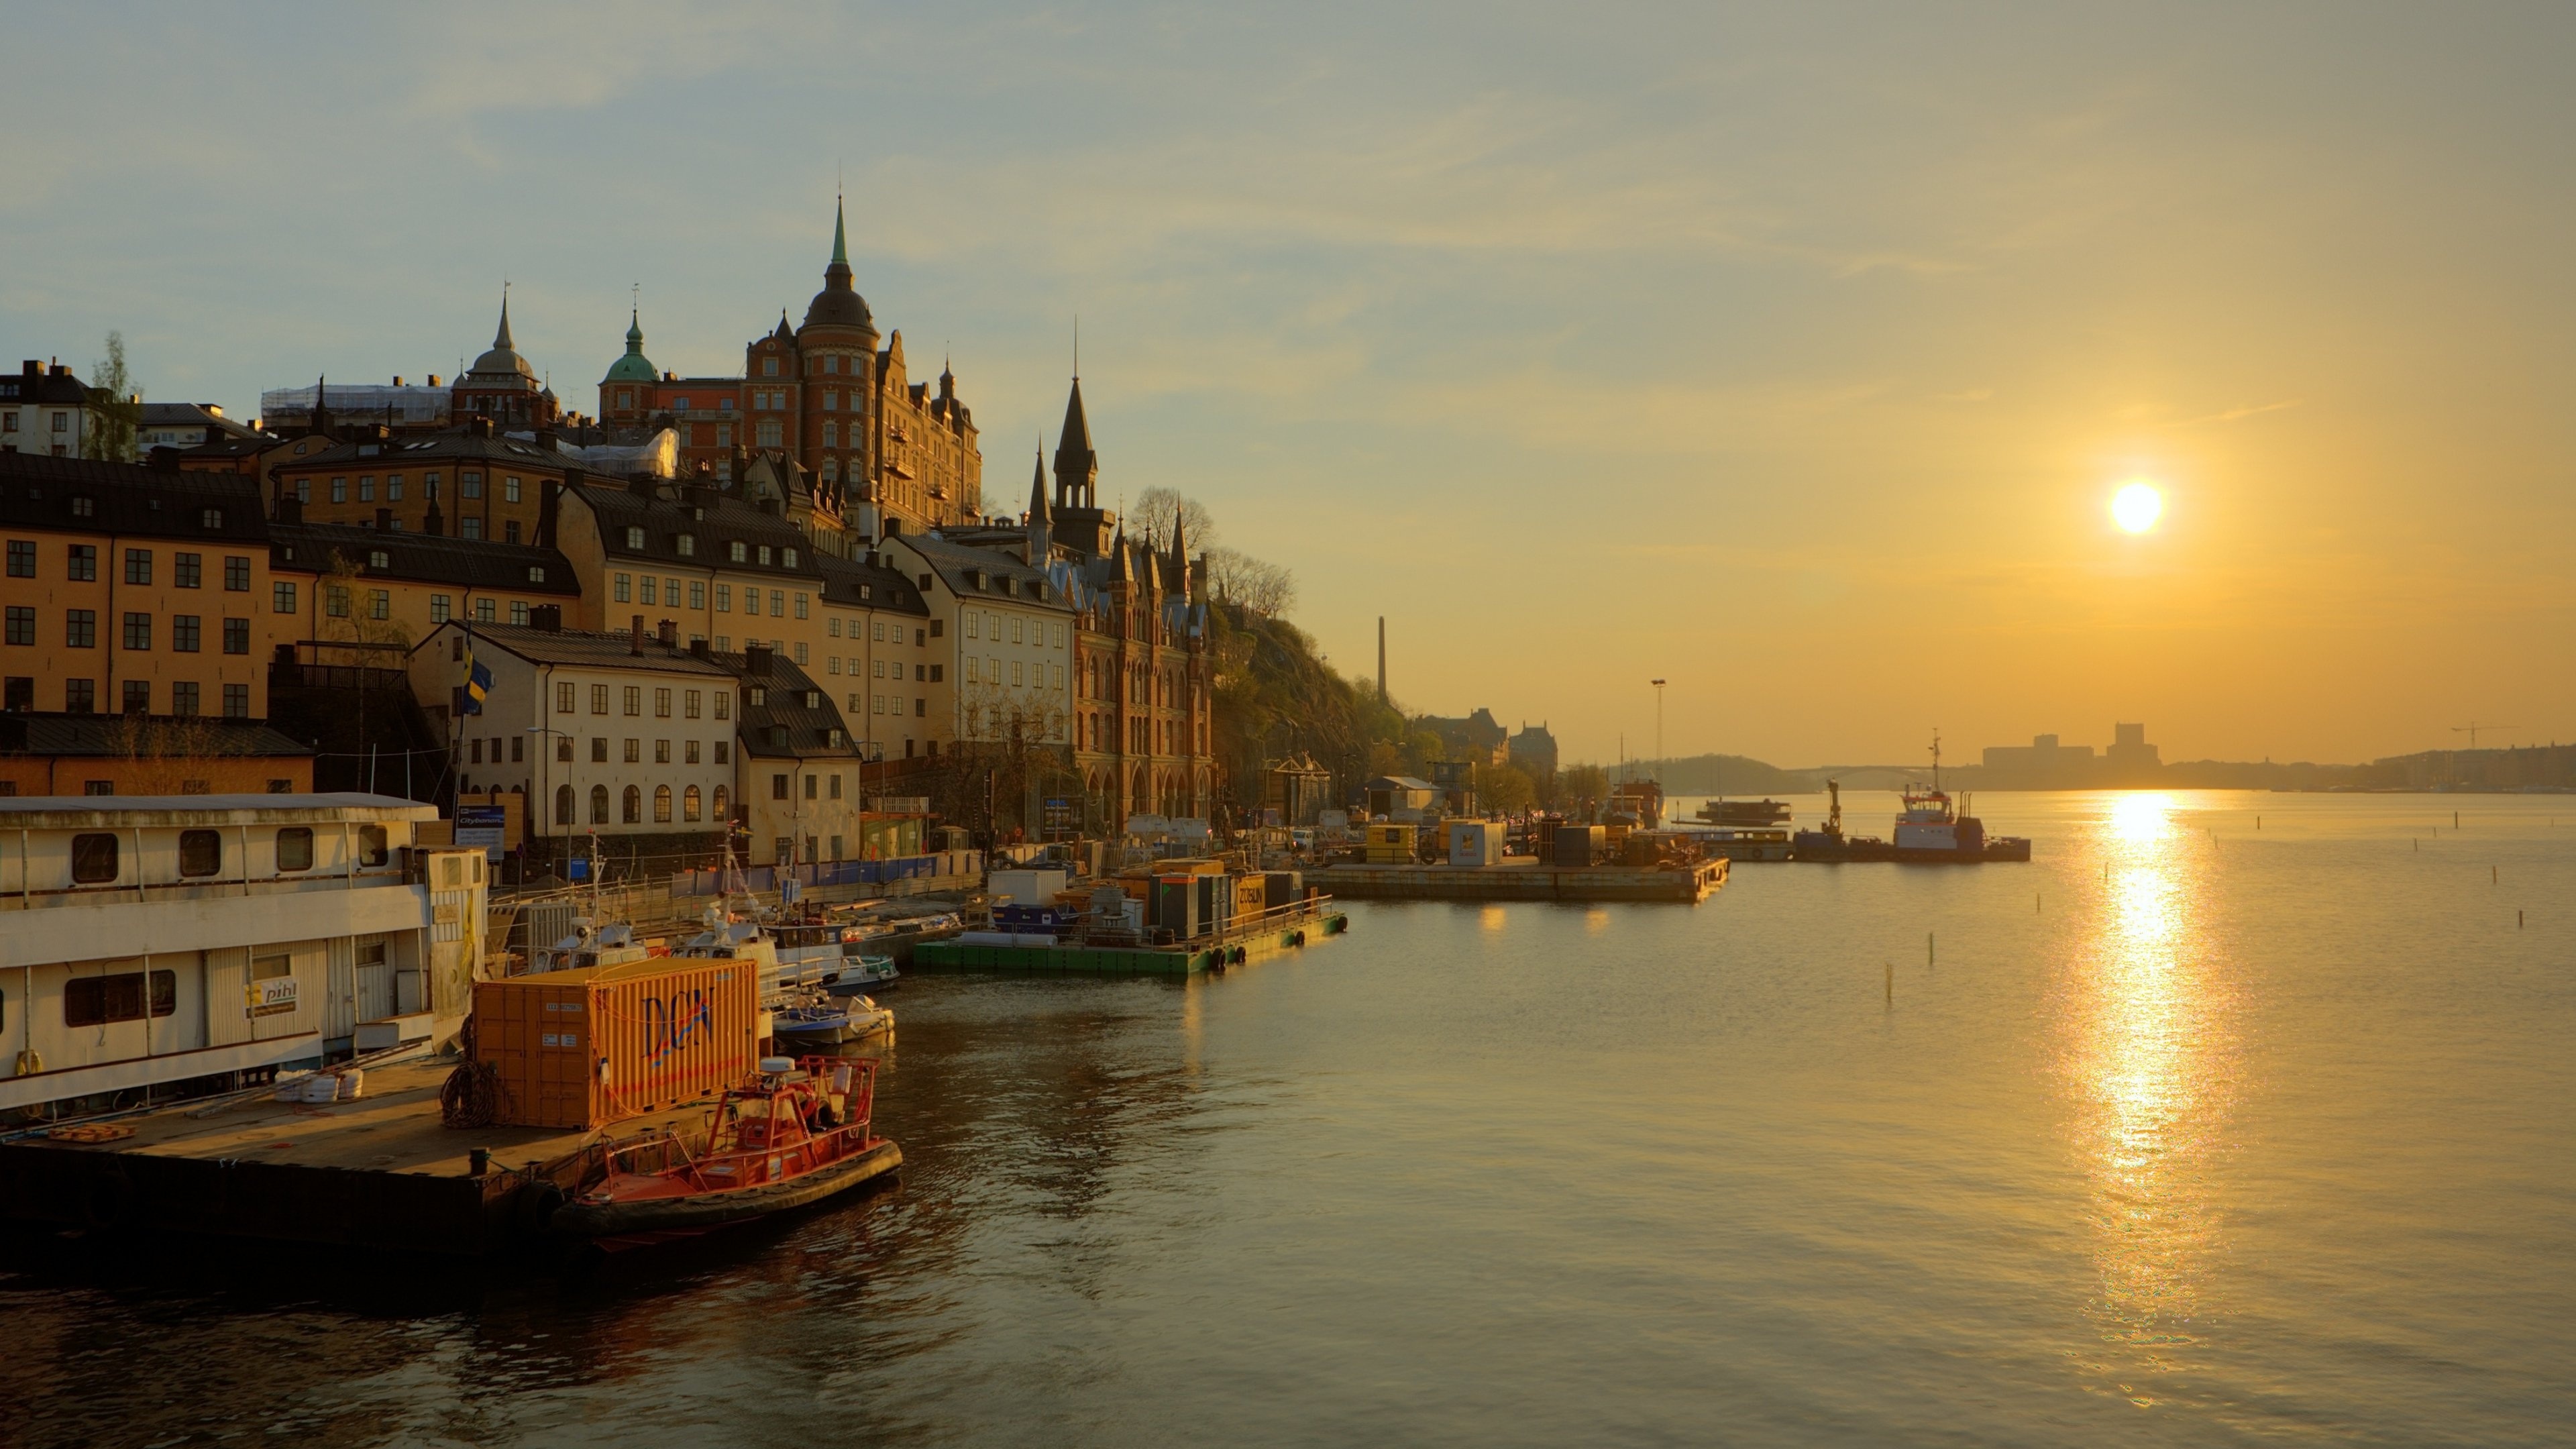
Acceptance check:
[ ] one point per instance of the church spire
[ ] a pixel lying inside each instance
(1077, 467)
(1041, 533)
(501, 339)
(840, 235)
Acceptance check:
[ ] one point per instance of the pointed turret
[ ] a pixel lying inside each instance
(1041, 534)
(838, 304)
(1121, 562)
(1077, 467)
(634, 366)
(1176, 573)
(501, 339)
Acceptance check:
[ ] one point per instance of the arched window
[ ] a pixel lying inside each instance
(563, 804)
(661, 804)
(634, 803)
(689, 804)
(720, 812)
(831, 466)
(599, 804)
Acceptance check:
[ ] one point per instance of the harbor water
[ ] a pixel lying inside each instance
(2186, 1132)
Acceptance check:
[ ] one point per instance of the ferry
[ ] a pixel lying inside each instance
(1740, 842)
(1744, 812)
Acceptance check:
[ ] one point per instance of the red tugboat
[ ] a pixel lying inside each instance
(795, 1133)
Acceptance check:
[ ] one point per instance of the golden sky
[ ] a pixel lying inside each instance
(1790, 354)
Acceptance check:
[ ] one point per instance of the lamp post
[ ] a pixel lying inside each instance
(1659, 730)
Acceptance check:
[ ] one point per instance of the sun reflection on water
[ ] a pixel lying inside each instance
(2150, 1059)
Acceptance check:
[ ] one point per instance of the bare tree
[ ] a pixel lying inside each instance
(1256, 584)
(1157, 507)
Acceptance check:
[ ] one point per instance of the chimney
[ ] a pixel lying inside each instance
(635, 641)
(478, 427)
(698, 647)
(548, 617)
(290, 509)
(433, 379)
(165, 460)
(384, 519)
(434, 523)
(755, 660)
(642, 485)
(397, 379)
(668, 631)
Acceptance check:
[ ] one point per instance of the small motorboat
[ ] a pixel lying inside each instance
(821, 1020)
(862, 974)
(796, 1132)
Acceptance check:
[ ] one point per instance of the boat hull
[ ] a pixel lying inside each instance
(645, 1221)
(1818, 847)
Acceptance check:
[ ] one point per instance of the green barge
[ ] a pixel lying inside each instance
(1273, 933)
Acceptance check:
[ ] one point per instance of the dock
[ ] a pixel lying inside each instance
(1273, 933)
(381, 1174)
(1521, 879)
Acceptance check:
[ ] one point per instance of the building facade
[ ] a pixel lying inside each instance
(46, 410)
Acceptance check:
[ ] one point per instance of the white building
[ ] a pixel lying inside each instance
(1008, 649)
(157, 939)
(622, 735)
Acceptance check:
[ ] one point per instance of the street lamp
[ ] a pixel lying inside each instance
(1659, 730)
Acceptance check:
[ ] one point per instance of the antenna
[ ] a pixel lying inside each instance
(2472, 727)
(1077, 359)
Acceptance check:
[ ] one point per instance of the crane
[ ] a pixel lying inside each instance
(2472, 727)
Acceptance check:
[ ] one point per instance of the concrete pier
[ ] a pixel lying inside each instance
(1519, 880)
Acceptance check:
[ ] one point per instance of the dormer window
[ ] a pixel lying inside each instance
(379, 560)
(756, 695)
(738, 551)
(764, 555)
(536, 573)
(212, 518)
(635, 539)
(838, 739)
(686, 544)
(769, 367)
(83, 508)
(814, 700)
(790, 558)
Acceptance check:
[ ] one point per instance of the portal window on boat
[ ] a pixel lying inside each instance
(295, 848)
(272, 968)
(93, 858)
(99, 1000)
(201, 852)
(371, 845)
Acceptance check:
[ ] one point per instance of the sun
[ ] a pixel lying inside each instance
(2137, 507)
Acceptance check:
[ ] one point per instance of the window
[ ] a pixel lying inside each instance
(380, 604)
(236, 574)
(688, 704)
(778, 787)
(22, 624)
(22, 558)
(281, 598)
(438, 608)
(183, 698)
(184, 629)
(81, 565)
(738, 552)
(724, 710)
(697, 595)
(800, 603)
(469, 527)
(295, 848)
(836, 784)
(686, 544)
(81, 507)
(777, 603)
(510, 531)
(691, 751)
(336, 602)
(634, 699)
(764, 555)
(563, 697)
(724, 598)
(800, 653)
(635, 539)
(138, 565)
(1015, 630)
(519, 612)
(634, 752)
(393, 488)
(214, 517)
(599, 749)
(379, 559)
(201, 852)
(236, 701)
(80, 696)
(563, 804)
(724, 756)
(237, 636)
(367, 489)
(93, 858)
(469, 485)
(563, 749)
(810, 783)
(99, 1000)
(661, 752)
(98, 787)
(720, 812)
(634, 803)
(661, 704)
(661, 804)
(624, 588)
(509, 490)
(689, 798)
(80, 628)
(599, 804)
(769, 367)
(371, 845)
(339, 490)
(653, 590)
(974, 625)
(599, 699)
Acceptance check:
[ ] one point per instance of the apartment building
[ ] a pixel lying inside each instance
(1009, 652)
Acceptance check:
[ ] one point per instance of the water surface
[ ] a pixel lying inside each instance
(2186, 1132)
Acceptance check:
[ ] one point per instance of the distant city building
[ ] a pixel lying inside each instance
(2130, 756)
(187, 425)
(1534, 751)
(1478, 737)
(46, 410)
(2048, 764)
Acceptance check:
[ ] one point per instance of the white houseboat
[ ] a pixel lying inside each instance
(150, 940)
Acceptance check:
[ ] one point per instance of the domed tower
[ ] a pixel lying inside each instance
(502, 386)
(833, 424)
(626, 393)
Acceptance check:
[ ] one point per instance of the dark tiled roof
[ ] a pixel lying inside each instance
(37, 491)
(956, 563)
(425, 557)
(856, 584)
(113, 735)
(37, 383)
(422, 449)
(784, 692)
(582, 648)
(192, 415)
(726, 520)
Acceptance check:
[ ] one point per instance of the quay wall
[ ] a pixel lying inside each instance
(1517, 883)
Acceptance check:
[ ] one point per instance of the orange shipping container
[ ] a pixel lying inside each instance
(587, 1047)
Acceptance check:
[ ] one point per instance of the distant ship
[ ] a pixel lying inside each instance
(1930, 831)
(1744, 812)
